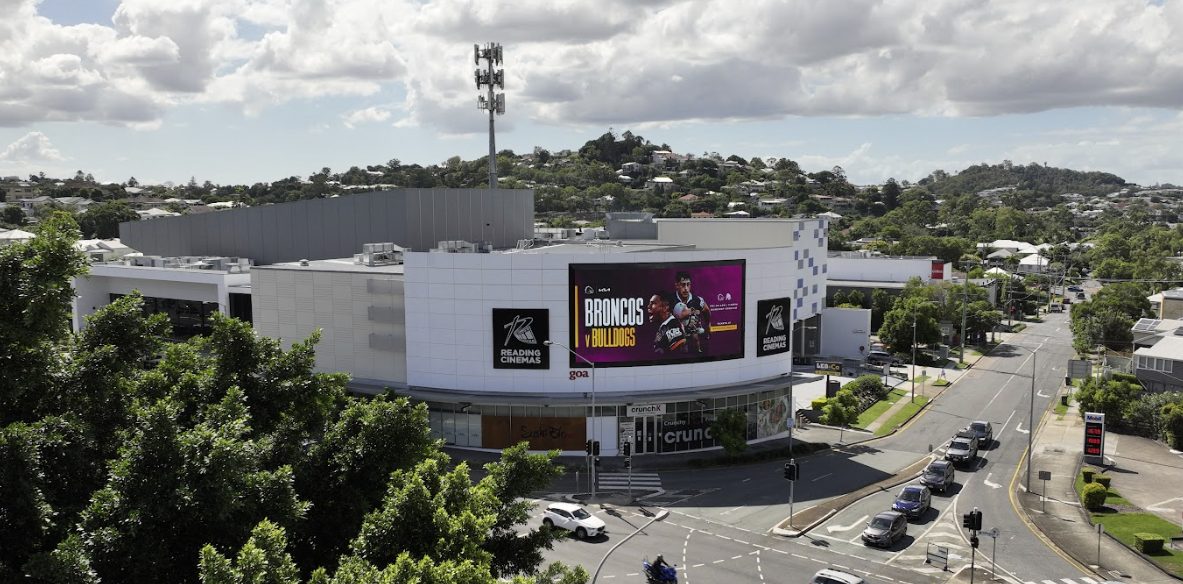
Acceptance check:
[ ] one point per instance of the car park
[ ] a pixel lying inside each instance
(885, 529)
(983, 430)
(828, 576)
(938, 475)
(962, 448)
(913, 501)
(573, 518)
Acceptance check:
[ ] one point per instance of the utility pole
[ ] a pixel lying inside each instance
(493, 102)
(964, 299)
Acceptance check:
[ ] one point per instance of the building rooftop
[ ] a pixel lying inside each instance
(1169, 347)
(602, 246)
(336, 265)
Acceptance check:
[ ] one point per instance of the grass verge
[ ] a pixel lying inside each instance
(903, 414)
(1124, 524)
(1061, 409)
(872, 413)
(799, 449)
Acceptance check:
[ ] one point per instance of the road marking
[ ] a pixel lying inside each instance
(989, 483)
(1159, 505)
(736, 557)
(835, 528)
(699, 565)
(735, 509)
(746, 480)
(1012, 414)
(821, 477)
(1020, 430)
(1041, 394)
(759, 568)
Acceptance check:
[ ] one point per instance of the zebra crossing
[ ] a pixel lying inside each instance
(644, 481)
(1077, 580)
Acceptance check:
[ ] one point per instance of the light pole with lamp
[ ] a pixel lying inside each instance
(662, 514)
(1030, 414)
(591, 466)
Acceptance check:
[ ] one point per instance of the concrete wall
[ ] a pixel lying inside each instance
(884, 269)
(449, 299)
(360, 315)
(845, 331)
(94, 290)
(337, 227)
(743, 234)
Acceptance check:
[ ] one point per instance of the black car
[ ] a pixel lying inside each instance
(1075, 289)
(983, 430)
(885, 529)
(938, 475)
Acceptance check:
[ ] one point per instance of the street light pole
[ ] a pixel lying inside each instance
(1031, 420)
(591, 473)
(792, 409)
(662, 514)
(913, 376)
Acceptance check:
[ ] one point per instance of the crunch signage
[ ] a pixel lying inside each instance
(517, 338)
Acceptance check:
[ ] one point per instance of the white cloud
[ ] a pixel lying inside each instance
(31, 148)
(368, 115)
(579, 63)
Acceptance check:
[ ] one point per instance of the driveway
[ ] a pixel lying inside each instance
(1147, 473)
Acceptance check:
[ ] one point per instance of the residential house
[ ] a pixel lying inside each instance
(1160, 367)
(10, 236)
(1167, 304)
(771, 203)
(661, 184)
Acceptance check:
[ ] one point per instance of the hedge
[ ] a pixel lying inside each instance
(1088, 475)
(1103, 481)
(1148, 543)
(1093, 496)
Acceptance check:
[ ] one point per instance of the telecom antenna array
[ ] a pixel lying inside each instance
(494, 102)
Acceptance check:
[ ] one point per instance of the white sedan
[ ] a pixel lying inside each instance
(573, 518)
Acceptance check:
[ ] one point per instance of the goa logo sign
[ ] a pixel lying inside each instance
(578, 374)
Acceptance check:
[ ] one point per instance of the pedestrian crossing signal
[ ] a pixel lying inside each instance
(791, 471)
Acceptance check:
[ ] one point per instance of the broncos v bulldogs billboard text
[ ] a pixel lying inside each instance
(656, 314)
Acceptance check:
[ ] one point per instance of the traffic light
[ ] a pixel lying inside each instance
(597, 460)
(973, 541)
(967, 520)
(977, 520)
(628, 462)
(628, 449)
(595, 448)
(587, 447)
(791, 471)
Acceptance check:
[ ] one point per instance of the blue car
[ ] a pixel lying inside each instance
(913, 501)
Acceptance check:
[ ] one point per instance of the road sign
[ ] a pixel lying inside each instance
(1080, 368)
(937, 556)
(1045, 475)
(1094, 434)
(992, 533)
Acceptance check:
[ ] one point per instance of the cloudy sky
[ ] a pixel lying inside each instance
(243, 91)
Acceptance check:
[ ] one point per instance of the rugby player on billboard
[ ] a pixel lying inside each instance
(670, 336)
(693, 311)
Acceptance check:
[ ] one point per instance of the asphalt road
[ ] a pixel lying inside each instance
(718, 531)
(710, 553)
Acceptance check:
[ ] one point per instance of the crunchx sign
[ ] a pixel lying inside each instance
(518, 334)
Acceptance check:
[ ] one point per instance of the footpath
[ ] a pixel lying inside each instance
(1064, 524)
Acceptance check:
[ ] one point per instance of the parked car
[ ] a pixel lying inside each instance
(573, 518)
(1075, 289)
(938, 475)
(885, 529)
(913, 501)
(983, 430)
(828, 576)
(882, 358)
(1080, 295)
(962, 448)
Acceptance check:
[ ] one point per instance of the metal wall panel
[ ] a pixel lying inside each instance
(331, 228)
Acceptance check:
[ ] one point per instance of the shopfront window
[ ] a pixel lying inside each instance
(188, 318)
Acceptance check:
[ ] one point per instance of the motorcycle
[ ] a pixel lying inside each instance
(668, 575)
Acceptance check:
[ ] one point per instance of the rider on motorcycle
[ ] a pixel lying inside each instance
(658, 564)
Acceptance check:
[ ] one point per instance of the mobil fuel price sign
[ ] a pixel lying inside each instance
(1094, 434)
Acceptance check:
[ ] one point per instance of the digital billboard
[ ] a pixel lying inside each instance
(656, 313)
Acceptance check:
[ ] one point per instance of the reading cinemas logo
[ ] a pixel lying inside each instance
(774, 337)
(517, 338)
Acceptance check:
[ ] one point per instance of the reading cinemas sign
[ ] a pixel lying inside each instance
(517, 338)
(772, 326)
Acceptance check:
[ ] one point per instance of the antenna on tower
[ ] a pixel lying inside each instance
(493, 102)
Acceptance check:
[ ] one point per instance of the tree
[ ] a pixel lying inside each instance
(101, 220)
(35, 295)
(891, 194)
(897, 329)
(731, 428)
(12, 215)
